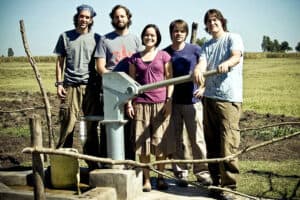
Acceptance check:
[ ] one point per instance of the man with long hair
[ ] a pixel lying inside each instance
(77, 81)
(223, 96)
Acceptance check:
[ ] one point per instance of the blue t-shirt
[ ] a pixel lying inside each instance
(228, 86)
(78, 50)
(183, 62)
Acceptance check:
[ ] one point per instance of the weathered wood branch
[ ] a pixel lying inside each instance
(22, 110)
(149, 165)
(271, 125)
(274, 140)
(39, 80)
(152, 164)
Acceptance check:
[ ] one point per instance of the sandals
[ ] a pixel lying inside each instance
(161, 184)
(147, 187)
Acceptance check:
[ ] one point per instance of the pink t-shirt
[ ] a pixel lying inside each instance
(151, 72)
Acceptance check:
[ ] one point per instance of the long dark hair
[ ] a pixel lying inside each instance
(218, 15)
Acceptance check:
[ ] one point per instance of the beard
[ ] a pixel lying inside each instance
(120, 27)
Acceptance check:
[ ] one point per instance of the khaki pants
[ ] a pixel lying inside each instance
(80, 100)
(191, 116)
(151, 130)
(222, 135)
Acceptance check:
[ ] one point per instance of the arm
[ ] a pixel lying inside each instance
(200, 68)
(100, 66)
(129, 107)
(61, 92)
(232, 61)
(168, 74)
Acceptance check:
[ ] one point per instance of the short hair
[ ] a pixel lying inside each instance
(218, 15)
(181, 23)
(128, 13)
(158, 35)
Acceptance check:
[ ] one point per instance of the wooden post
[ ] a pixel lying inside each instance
(39, 80)
(37, 159)
(194, 33)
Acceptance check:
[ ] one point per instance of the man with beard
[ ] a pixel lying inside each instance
(112, 54)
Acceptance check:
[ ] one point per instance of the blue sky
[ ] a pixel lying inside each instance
(45, 20)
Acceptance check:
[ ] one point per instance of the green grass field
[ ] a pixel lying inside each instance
(271, 85)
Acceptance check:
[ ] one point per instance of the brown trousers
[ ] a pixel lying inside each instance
(80, 100)
(222, 136)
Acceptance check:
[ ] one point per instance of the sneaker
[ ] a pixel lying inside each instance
(181, 181)
(216, 194)
(161, 184)
(204, 178)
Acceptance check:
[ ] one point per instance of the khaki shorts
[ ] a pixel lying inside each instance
(151, 130)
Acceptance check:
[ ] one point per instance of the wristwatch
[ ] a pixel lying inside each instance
(59, 83)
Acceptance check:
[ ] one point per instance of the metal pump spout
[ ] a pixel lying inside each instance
(118, 88)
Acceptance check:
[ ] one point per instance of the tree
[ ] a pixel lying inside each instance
(201, 41)
(276, 46)
(284, 46)
(264, 43)
(10, 52)
(297, 48)
(267, 44)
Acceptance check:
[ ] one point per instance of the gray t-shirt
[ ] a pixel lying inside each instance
(78, 50)
(117, 49)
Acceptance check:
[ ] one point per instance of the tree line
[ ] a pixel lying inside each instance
(267, 45)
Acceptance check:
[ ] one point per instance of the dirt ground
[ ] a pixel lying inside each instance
(11, 146)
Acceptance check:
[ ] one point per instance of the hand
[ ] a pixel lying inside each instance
(199, 92)
(167, 109)
(223, 67)
(199, 78)
(130, 111)
(61, 92)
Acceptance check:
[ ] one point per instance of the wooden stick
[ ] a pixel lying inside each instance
(39, 79)
(194, 33)
(271, 125)
(37, 160)
(22, 110)
(149, 165)
(152, 164)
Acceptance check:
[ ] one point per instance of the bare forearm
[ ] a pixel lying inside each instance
(100, 66)
(59, 68)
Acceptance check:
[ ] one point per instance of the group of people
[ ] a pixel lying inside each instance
(208, 107)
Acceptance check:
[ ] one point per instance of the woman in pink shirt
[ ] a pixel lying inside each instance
(151, 110)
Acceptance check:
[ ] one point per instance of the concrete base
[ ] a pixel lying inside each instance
(128, 183)
(12, 178)
(98, 193)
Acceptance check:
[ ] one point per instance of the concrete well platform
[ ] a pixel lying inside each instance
(16, 185)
